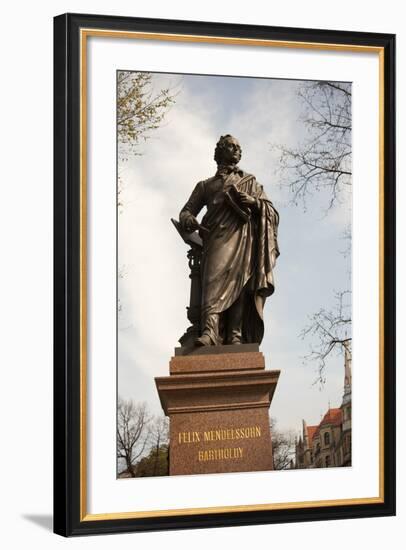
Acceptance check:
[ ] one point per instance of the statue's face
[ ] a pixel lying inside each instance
(231, 151)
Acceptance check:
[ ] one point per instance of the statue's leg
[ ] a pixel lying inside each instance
(234, 320)
(210, 333)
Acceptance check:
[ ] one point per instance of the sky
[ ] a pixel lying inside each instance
(153, 288)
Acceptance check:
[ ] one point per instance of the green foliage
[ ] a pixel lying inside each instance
(140, 110)
(155, 464)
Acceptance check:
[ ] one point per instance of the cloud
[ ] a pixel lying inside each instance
(154, 292)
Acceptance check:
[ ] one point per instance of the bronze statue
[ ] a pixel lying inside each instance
(232, 262)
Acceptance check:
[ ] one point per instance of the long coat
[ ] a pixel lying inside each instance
(237, 254)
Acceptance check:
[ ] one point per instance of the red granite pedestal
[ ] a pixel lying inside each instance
(218, 406)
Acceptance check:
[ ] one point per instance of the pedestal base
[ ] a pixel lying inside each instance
(218, 408)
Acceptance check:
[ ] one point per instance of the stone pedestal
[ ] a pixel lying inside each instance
(218, 407)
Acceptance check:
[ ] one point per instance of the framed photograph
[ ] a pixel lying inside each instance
(224, 342)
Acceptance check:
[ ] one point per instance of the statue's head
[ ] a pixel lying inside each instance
(228, 150)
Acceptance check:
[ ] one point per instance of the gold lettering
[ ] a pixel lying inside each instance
(188, 437)
(220, 434)
(228, 453)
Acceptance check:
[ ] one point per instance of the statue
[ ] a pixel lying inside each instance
(233, 253)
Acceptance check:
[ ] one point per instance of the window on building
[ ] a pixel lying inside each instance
(326, 438)
(327, 461)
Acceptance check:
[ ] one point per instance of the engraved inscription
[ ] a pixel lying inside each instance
(220, 454)
(219, 434)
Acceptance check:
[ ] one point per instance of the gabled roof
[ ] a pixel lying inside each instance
(332, 416)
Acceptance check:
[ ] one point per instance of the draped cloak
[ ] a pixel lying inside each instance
(237, 255)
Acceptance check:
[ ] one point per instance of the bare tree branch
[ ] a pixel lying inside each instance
(283, 447)
(332, 329)
(133, 432)
(323, 162)
(159, 438)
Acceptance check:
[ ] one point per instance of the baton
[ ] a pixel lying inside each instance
(202, 228)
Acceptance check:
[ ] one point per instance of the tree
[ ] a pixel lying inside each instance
(133, 433)
(323, 161)
(332, 329)
(140, 110)
(155, 464)
(283, 447)
(159, 440)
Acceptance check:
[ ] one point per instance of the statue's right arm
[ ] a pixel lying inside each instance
(187, 216)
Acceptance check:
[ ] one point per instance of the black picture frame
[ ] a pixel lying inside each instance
(68, 518)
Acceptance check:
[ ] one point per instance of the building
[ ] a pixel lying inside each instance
(328, 444)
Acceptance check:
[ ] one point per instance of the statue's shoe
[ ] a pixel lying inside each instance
(203, 340)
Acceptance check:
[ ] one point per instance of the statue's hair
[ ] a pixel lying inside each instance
(220, 145)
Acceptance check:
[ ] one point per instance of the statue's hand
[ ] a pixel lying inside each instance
(190, 223)
(247, 200)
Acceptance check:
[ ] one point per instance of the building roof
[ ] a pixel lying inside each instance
(311, 430)
(332, 416)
